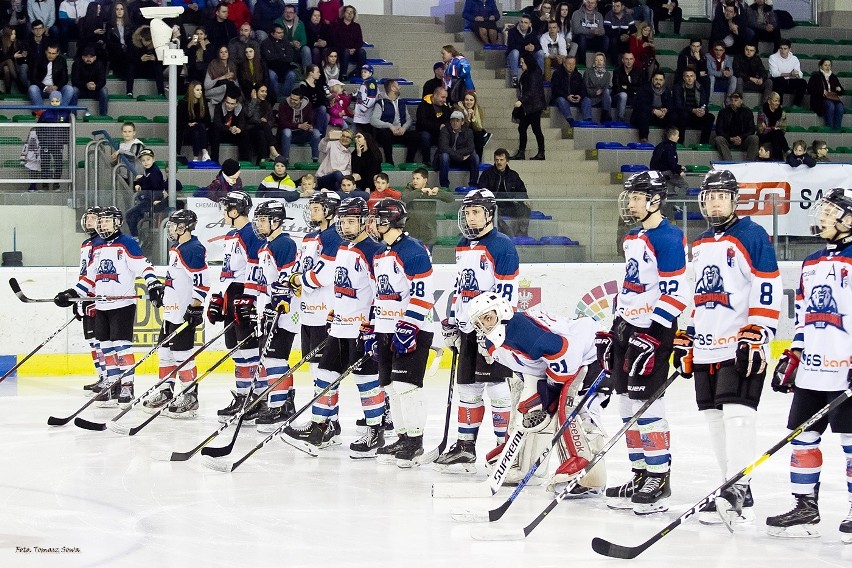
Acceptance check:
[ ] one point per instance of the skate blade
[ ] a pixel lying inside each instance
(726, 513)
(620, 504)
(151, 409)
(217, 464)
(799, 531)
(846, 538)
(660, 506)
(494, 533)
(451, 490)
(305, 447)
(107, 404)
(268, 428)
(362, 455)
(455, 468)
(118, 428)
(469, 516)
(408, 464)
(386, 459)
(181, 415)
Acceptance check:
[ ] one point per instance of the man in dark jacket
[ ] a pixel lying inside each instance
(664, 160)
(50, 74)
(735, 128)
(520, 40)
(626, 80)
(568, 89)
(220, 30)
(730, 26)
(690, 106)
(619, 25)
(34, 45)
(392, 125)
(229, 125)
(505, 183)
(764, 24)
(456, 148)
(692, 56)
(653, 106)
(433, 114)
(750, 73)
(88, 76)
(280, 60)
(348, 39)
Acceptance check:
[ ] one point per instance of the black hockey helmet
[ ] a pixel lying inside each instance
(329, 200)
(652, 184)
(386, 212)
(479, 197)
(832, 210)
(94, 210)
(268, 213)
(352, 207)
(720, 180)
(184, 217)
(114, 216)
(720, 185)
(238, 200)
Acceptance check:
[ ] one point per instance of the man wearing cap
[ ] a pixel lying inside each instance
(365, 100)
(735, 128)
(455, 148)
(392, 124)
(88, 77)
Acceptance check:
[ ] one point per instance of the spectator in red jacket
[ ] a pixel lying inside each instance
(347, 37)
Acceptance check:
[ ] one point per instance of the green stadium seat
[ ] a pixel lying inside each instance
(153, 141)
(24, 118)
(98, 118)
(161, 119)
(702, 147)
(306, 166)
(133, 118)
(10, 141)
(143, 98)
(120, 98)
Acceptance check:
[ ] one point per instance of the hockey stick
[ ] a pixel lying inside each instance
(498, 474)
(53, 421)
(161, 455)
(227, 466)
(607, 548)
(100, 426)
(491, 533)
(16, 288)
(432, 455)
(8, 373)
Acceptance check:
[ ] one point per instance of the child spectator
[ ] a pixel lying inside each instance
(52, 141)
(228, 179)
(340, 115)
(819, 151)
(307, 185)
(278, 184)
(799, 155)
(348, 189)
(130, 147)
(151, 196)
(382, 189)
(421, 202)
(764, 152)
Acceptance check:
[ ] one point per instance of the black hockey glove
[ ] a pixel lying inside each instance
(784, 376)
(269, 318)
(751, 350)
(281, 295)
(156, 290)
(603, 343)
(682, 351)
(194, 315)
(216, 309)
(639, 360)
(245, 312)
(63, 299)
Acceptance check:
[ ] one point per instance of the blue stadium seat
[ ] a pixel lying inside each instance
(633, 168)
(540, 216)
(640, 146)
(525, 241)
(586, 124)
(558, 240)
(609, 146)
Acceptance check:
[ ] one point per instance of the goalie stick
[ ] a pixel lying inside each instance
(606, 548)
(16, 288)
(492, 533)
(8, 373)
(53, 421)
(101, 426)
(499, 472)
(227, 466)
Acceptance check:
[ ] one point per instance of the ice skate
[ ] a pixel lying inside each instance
(653, 495)
(273, 417)
(708, 515)
(158, 400)
(232, 409)
(460, 458)
(387, 454)
(368, 444)
(412, 448)
(619, 497)
(800, 522)
(184, 407)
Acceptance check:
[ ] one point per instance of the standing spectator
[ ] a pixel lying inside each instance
(348, 39)
(720, 67)
(625, 83)
(251, 73)
(12, 57)
(433, 114)
(330, 10)
(227, 180)
(220, 29)
(296, 123)
(482, 16)
(690, 106)
(522, 41)
(692, 56)
(317, 34)
(151, 196)
(221, 75)
(335, 159)
(48, 75)
(245, 39)
(786, 73)
(799, 156)
(619, 26)
(130, 147)
(193, 120)
(422, 204)
(52, 142)
(457, 79)
(34, 45)
(260, 116)
(511, 193)
(228, 125)
(119, 39)
(200, 53)
(666, 10)
(825, 90)
(279, 57)
(455, 148)
(392, 124)
(474, 117)
(555, 48)
(529, 106)
(331, 67)
(730, 26)
(642, 48)
(588, 30)
(653, 106)
(143, 61)
(664, 160)
(194, 11)
(365, 99)
(316, 91)
(735, 129)
(366, 160)
(339, 113)
(819, 151)
(436, 81)
(43, 11)
(764, 23)
(70, 14)
(772, 126)
(88, 77)
(238, 12)
(568, 90)
(294, 32)
(750, 73)
(598, 83)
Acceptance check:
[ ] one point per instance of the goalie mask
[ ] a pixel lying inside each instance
(89, 221)
(180, 223)
(717, 200)
(268, 218)
(322, 206)
(109, 223)
(831, 216)
(351, 218)
(643, 195)
(489, 314)
(477, 213)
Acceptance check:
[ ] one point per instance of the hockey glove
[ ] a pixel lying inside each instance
(683, 354)
(538, 409)
(63, 299)
(245, 312)
(784, 376)
(367, 340)
(216, 309)
(295, 282)
(751, 350)
(603, 343)
(639, 360)
(281, 296)
(329, 319)
(194, 315)
(452, 336)
(156, 290)
(405, 337)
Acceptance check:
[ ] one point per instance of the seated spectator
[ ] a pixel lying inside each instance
(598, 83)
(43, 12)
(735, 129)
(200, 53)
(330, 10)
(764, 153)
(786, 73)
(349, 40)
(539, 16)
(730, 26)
(520, 41)
(772, 126)
(348, 189)
(251, 73)
(625, 83)
(720, 67)
(587, 29)
(819, 151)
(294, 32)
(365, 100)
(366, 160)
(433, 113)
(238, 12)
(35, 46)
(392, 124)
(143, 61)
(278, 184)
(474, 118)
(666, 10)
(70, 14)
(260, 117)
(562, 16)
(221, 76)
(220, 29)
(825, 90)
(43, 84)
(237, 46)
(436, 81)
(692, 56)
(88, 76)
(482, 17)
(119, 38)
(316, 91)
(317, 33)
(13, 57)
(690, 107)
(92, 31)
(764, 24)
(642, 12)
(555, 48)
(130, 147)
(331, 68)
(382, 189)
(664, 160)
(799, 156)
(151, 195)
(335, 159)
(339, 113)
(653, 107)
(194, 11)
(506, 184)
(567, 90)
(422, 204)
(307, 185)
(643, 50)
(619, 26)
(528, 108)
(455, 148)
(193, 120)
(750, 73)
(279, 56)
(296, 123)
(227, 180)
(229, 125)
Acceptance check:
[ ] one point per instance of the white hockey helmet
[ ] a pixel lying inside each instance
(489, 314)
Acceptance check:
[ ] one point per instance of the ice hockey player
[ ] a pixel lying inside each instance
(116, 262)
(737, 298)
(240, 259)
(557, 359)
(637, 348)
(818, 365)
(486, 261)
(85, 311)
(183, 301)
(277, 261)
(400, 331)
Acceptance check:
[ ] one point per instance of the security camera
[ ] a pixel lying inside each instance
(162, 12)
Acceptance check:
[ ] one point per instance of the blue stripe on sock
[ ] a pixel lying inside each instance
(657, 460)
(644, 421)
(804, 478)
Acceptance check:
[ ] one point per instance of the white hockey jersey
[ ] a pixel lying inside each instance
(405, 291)
(354, 287)
(241, 248)
(316, 264)
(186, 279)
(276, 261)
(113, 270)
(737, 282)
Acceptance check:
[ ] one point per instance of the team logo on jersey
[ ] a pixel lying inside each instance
(343, 284)
(307, 264)
(385, 291)
(729, 256)
(227, 271)
(169, 282)
(106, 271)
(631, 278)
(710, 289)
(468, 285)
(483, 262)
(822, 309)
(527, 295)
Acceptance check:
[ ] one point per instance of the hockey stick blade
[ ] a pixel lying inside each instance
(453, 490)
(216, 464)
(726, 513)
(113, 426)
(161, 455)
(86, 425)
(304, 447)
(613, 550)
(469, 516)
(494, 533)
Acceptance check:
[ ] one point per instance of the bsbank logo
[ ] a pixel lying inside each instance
(756, 198)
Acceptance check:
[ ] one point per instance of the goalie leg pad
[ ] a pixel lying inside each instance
(533, 445)
(412, 406)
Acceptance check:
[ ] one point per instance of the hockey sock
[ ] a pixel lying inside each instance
(740, 438)
(244, 363)
(97, 357)
(124, 359)
(413, 407)
(654, 431)
(633, 438)
(372, 398)
(805, 463)
(396, 410)
(188, 372)
(276, 368)
(716, 426)
(501, 409)
(168, 364)
(471, 410)
(325, 408)
(846, 442)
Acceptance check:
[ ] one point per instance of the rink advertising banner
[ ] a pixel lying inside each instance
(795, 189)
